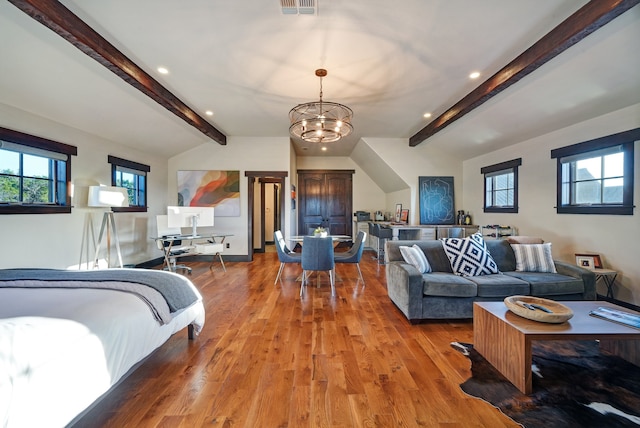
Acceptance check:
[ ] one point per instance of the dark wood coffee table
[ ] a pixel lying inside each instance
(504, 338)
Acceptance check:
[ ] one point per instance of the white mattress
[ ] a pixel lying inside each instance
(81, 342)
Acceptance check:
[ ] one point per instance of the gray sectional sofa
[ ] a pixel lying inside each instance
(441, 294)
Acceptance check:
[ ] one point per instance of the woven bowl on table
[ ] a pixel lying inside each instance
(559, 312)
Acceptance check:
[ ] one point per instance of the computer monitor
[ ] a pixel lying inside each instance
(190, 217)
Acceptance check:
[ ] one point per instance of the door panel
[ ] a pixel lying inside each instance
(338, 204)
(325, 199)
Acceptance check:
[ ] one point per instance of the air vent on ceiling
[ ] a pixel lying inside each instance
(295, 7)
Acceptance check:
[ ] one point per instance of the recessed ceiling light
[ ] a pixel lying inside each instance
(474, 75)
(162, 70)
(208, 113)
(427, 115)
(324, 149)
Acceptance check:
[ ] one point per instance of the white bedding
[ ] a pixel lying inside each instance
(61, 349)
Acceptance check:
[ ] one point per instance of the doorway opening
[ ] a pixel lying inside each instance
(266, 197)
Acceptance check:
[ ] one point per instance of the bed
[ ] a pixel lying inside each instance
(66, 337)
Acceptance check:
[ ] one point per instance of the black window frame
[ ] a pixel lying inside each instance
(507, 167)
(141, 170)
(63, 205)
(626, 140)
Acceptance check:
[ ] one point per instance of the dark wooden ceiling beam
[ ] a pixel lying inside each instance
(585, 21)
(63, 22)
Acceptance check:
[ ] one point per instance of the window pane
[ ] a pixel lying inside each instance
(489, 184)
(613, 191)
(587, 192)
(35, 190)
(502, 181)
(504, 198)
(614, 165)
(587, 169)
(9, 162)
(9, 189)
(35, 166)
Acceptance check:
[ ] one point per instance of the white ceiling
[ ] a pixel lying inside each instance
(249, 64)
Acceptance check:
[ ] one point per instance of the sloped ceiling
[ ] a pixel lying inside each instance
(249, 64)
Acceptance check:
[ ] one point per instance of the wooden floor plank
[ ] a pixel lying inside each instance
(270, 358)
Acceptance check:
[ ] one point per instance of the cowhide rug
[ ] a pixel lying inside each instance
(574, 385)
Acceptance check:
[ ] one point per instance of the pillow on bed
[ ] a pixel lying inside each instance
(469, 256)
(414, 256)
(534, 257)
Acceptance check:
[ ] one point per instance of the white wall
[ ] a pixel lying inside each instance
(54, 240)
(615, 238)
(367, 196)
(410, 163)
(243, 154)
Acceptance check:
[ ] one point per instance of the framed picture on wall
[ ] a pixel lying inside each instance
(398, 212)
(215, 188)
(436, 200)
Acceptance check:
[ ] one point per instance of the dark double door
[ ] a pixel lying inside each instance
(325, 199)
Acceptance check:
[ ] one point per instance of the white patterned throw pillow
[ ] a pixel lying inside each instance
(414, 256)
(534, 257)
(469, 256)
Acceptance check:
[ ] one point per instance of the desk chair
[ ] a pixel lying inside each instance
(167, 247)
(317, 255)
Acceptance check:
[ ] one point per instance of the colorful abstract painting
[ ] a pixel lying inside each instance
(219, 189)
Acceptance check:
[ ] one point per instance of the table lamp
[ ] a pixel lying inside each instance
(108, 197)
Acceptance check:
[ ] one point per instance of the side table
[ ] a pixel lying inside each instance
(608, 276)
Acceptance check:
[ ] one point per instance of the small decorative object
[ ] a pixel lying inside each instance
(398, 212)
(467, 219)
(404, 216)
(538, 309)
(320, 231)
(589, 261)
(460, 218)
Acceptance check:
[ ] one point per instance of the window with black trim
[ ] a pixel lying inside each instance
(596, 176)
(35, 174)
(501, 187)
(132, 176)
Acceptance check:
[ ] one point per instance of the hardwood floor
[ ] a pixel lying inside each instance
(268, 358)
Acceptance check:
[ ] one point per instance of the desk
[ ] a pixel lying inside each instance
(211, 247)
(608, 276)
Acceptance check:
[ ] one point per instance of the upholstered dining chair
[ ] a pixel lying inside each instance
(455, 232)
(354, 254)
(317, 255)
(285, 255)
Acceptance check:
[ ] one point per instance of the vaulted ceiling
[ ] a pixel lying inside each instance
(249, 64)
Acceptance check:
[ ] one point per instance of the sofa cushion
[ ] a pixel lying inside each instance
(534, 257)
(500, 286)
(447, 285)
(549, 284)
(414, 256)
(469, 256)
